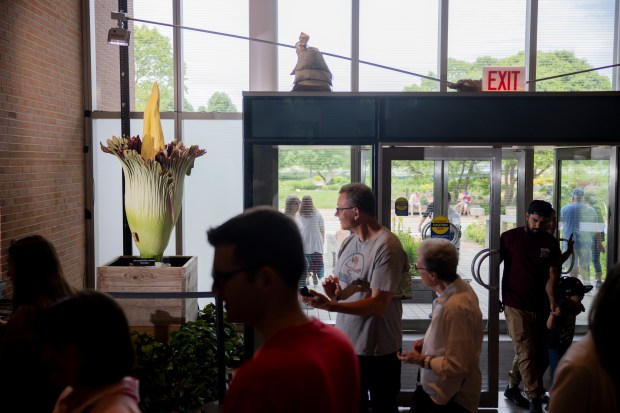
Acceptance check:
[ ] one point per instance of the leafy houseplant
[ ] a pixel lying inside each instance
(154, 175)
(181, 375)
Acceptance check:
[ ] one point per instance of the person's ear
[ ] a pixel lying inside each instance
(266, 278)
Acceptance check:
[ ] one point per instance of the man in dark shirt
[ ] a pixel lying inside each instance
(530, 257)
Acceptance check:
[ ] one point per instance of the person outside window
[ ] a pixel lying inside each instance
(415, 203)
(578, 219)
(313, 235)
(291, 208)
(598, 243)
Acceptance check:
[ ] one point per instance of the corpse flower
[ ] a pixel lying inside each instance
(154, 175)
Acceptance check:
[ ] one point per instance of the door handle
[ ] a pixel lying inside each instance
(476, 263)
(572, 258)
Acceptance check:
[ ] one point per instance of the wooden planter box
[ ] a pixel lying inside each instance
(181, 276)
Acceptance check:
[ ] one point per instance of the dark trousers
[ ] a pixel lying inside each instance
(380, 378)
(424, 404)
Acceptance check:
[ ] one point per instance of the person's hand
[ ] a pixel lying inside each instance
(555, 309)
(407, 357)
(415, 356)
(600, 247)
(317, 300)
(331, 286)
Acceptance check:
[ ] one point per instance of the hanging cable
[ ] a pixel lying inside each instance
(337, 56)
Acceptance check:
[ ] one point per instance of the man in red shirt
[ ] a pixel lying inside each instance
(303, 365)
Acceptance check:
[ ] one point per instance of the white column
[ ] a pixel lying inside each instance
(263, 57)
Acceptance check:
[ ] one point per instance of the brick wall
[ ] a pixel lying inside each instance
(42, 128)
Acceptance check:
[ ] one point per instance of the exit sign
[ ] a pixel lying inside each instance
(503, 79)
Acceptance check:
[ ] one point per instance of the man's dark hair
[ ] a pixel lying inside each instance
(441, 256)
(262, 236)
(361, 196)
(540, 207)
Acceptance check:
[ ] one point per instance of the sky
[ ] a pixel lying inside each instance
(397, 33)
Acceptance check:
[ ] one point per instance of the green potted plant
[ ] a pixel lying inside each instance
(417, 290)
(180, 375)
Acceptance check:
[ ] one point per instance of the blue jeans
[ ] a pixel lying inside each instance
(555, 355)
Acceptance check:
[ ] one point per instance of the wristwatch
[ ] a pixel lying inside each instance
(427, 362)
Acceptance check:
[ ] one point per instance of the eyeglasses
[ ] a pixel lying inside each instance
(419, 268)
(222, 277)
(338, 210)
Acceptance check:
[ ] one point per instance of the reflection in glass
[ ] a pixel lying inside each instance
(584, 213)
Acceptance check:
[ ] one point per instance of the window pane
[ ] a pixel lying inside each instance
(328, 23)
(573, 36)
(214, 190)
(484, 33)
(105, 64)
(216, 67)
(152, 49)
(410, 44)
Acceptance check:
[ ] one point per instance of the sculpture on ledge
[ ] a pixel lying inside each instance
(466, 85)
(311, 72)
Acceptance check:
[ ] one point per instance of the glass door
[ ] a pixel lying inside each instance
(584, 197)
(462, 185)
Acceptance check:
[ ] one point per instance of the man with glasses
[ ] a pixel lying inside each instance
(303, 365)
(364, 290)
(449, 353)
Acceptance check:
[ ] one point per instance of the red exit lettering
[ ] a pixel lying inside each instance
(502, 80)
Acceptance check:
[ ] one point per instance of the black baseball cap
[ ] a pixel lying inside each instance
(572, 286)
